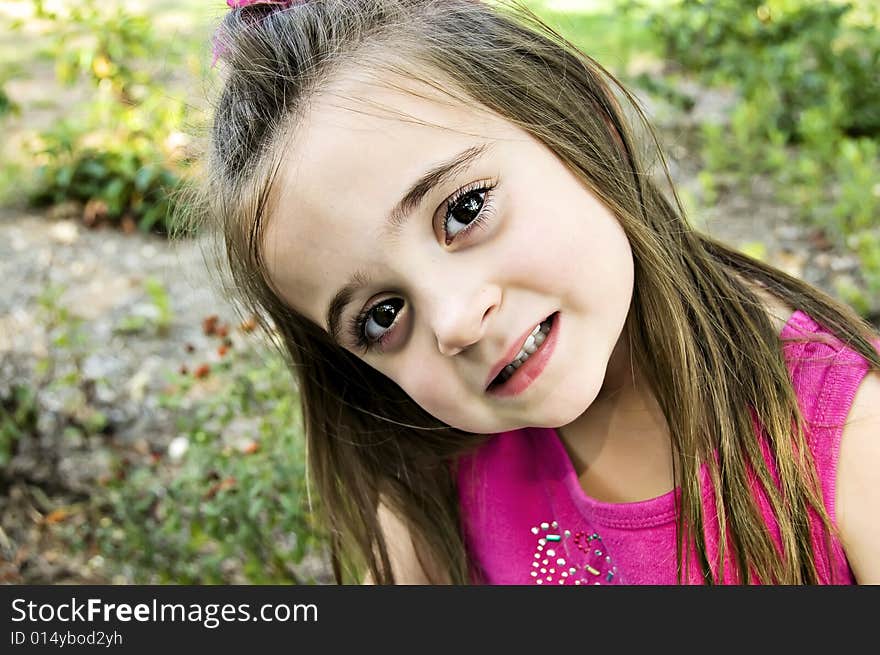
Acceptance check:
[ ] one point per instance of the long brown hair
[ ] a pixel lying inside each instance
(699, 333)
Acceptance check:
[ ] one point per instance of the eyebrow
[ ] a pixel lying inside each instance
(395, 221)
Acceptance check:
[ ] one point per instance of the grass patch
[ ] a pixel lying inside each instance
(614, 33)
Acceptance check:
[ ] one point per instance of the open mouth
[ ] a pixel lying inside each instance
(529, 348)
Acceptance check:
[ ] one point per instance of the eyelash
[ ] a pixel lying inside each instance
(357, 325)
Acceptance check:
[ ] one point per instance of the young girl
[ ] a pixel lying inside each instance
(518, 362)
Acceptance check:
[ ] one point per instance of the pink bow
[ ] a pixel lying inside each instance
(237, 4)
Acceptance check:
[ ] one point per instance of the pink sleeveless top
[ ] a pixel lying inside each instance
(526, 519)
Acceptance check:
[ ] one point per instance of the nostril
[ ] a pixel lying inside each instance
(494, 293)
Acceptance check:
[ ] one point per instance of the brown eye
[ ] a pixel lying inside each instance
(380, 317)
(463, 211)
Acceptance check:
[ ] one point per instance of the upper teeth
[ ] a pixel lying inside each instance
(535, 339)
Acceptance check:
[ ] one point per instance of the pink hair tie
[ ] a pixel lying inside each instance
(218, 48)
(238, 4)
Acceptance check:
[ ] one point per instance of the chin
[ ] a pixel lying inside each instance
(467, 425)
(566, 408)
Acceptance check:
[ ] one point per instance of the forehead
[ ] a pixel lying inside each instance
(358, 147)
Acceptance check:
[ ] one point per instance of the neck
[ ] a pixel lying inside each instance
(620, 446)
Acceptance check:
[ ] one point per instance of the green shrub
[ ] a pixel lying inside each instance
(121, 179)
(125, 154)
(804, 51)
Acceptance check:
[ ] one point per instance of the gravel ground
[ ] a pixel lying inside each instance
(102, 274)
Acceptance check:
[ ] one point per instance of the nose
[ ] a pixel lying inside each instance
(460, 320)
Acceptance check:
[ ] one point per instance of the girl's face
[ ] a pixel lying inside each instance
(432, 237)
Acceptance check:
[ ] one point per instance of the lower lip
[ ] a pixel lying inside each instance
(523, 377)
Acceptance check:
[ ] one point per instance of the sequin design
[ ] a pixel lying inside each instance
(588, 563)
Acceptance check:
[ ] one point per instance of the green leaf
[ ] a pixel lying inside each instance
(116, 195)
(64, 176)
(143, 178)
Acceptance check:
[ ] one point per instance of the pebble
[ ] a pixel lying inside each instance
(64, 232)
(177, 448)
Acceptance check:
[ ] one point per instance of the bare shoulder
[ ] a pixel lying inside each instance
(858, 482)
(405, 563)
(778, 311)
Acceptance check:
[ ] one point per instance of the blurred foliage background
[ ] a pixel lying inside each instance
(769, 113)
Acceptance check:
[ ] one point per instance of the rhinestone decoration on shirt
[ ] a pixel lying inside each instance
(550, 566)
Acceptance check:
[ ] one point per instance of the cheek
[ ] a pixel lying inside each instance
(426, 386)
(576, 238)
